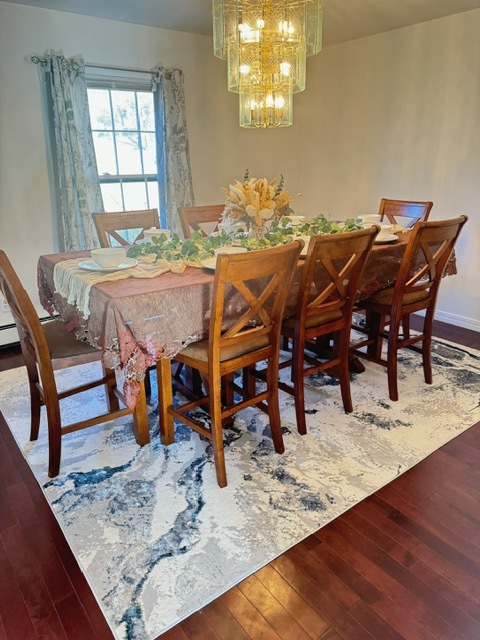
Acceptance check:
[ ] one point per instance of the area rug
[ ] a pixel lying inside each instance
(156, 537)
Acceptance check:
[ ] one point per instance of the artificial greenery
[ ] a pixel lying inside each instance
(199, 247)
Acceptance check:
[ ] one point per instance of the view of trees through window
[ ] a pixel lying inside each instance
(123, 128)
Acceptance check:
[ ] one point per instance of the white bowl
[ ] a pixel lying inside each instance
(155, 233)
(370, 218)
(222, 250)
(109, 257)
(385, 231)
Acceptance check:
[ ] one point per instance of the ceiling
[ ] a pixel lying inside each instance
(344, 19)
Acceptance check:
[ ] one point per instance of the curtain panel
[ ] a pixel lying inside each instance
(173, 159)
(77, 189)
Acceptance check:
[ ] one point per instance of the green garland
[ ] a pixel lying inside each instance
(199, 247)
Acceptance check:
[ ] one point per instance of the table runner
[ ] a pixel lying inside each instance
(74, 283)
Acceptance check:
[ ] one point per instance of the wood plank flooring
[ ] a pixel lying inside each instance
(402, 564)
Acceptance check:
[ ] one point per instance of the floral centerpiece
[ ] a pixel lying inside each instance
(256, 202)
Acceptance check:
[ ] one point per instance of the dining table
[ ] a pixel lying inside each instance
(141, 321)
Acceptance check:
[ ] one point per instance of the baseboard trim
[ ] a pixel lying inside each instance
(456, 321)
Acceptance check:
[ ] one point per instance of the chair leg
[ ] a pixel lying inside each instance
(427, 347)
(343, 369)
(274, 408)
(140, 418)
(392, 360)
(227, 391)
(249, 380)
(298, 381)
(54, 437)
(217, 432)
(35, 401)
(376, 324)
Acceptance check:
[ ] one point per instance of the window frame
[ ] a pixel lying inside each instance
(109, 80)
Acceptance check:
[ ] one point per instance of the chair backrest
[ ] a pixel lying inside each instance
(415, 211)
(330, 276)
(30, 332)
(110, 225)
(249, 294)
(424, 262)
(194, 217)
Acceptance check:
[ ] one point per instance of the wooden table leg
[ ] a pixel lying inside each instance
(165, 399)
(140, 418)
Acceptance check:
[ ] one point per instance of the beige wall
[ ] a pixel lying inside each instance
(391, 115)
(397, 115)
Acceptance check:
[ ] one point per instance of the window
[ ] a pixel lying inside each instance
(123, 128)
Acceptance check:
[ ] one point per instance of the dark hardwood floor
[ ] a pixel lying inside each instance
(404, 563)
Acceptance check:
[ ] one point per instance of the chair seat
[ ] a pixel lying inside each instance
(386, 296)
(63, 343)
(313, 321)
(199, 350)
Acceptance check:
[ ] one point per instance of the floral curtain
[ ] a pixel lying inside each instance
(75, 174)
(173, 159)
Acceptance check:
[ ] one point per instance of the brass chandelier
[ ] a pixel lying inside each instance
(266, 43)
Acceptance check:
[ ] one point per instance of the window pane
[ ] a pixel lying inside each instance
(135, 196)
(152, 195)
(105, 153)
(128, 153)
(145, 111)
(149, 153)
(124, 110)
(99, 106)
(112, 197)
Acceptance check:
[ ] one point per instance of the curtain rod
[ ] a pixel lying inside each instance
(40, 60)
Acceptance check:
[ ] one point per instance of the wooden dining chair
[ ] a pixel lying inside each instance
(392, 209)
(416, 289)
(260, 281)
(327, 293)
(50, 346)
(193, 218)
(111, 225)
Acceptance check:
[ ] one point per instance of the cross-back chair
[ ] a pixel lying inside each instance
(415, 289)
(255, 285)
(50, 346)
(328, 291)
(110, 225)
(414, 210)
(193, 218)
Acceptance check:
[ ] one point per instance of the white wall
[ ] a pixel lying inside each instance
(392, 115)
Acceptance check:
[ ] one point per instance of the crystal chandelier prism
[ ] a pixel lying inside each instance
(266, 43)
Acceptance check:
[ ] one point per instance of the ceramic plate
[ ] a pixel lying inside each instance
(209, 263)
(390, 238)
(90, 265)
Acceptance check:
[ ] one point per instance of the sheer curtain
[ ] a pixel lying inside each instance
(173, 160)
(75, 174)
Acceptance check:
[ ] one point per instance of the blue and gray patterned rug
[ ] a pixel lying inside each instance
(156, 537)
